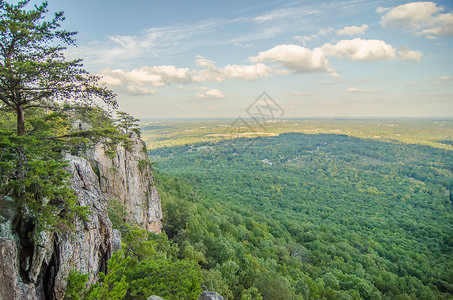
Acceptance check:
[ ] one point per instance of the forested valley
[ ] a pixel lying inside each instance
(311, 216)
(271, 209)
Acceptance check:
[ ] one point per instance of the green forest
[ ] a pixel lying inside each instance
(311, 216)
(296, 209)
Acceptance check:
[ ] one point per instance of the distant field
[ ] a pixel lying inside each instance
(171, 133)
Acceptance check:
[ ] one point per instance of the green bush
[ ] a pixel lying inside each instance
(117, 213)
(147, 265)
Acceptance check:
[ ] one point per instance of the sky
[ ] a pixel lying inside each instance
(316, 59)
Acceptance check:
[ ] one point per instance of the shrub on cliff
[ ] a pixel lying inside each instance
(147, 265)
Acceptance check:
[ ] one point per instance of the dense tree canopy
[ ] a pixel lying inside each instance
(315, 216)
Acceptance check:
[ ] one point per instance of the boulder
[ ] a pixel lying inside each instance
(210, 296)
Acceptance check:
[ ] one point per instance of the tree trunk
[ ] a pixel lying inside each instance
(20, 121)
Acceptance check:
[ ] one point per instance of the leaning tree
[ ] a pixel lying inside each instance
(33, 69)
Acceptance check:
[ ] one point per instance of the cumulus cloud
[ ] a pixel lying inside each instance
(409, 55)
(140, 90)
(137, 81)
(360, 49)
(157, 76)
(370, 50)
(353, 30)
(296, 58)
(237, 72)
(251, 72)
(359, 90)
(211, 94)
(421, 18)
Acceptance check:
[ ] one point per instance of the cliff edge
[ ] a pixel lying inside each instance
(127, 177)
(40, 271)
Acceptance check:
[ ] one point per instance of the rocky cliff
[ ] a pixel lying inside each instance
(127, 177)
(39, 271)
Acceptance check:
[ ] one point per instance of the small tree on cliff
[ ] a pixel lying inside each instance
(33, 70)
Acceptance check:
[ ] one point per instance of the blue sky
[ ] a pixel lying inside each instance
(196, 59)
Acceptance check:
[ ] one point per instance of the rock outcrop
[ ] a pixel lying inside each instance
(92, 244)
(127, 177)
(39, 271)
(210, 296)
(42, 274)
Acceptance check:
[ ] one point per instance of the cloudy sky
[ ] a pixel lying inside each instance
(195, 59)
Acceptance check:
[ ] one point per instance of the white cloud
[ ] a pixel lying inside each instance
(360, 49)
(299, 94)
(211, 94)
(236, 72)
(296, 58)
(409, 55)
(369, 50)
(306, 38)
(353, 30)
(157, 76)
(335, 75)
(359, 90)
(203, 62)
(303, 39)
(112, 81)
(251, 72)
(140, 90)
(421, 18)
(135, 81)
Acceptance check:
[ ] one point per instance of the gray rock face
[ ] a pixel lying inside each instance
(92, 244)
(41, 271)
(47, 268)
(210, 296)
(8, 269)
(154, 298)
(127, 177)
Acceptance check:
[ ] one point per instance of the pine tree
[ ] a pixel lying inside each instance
(33, 70)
